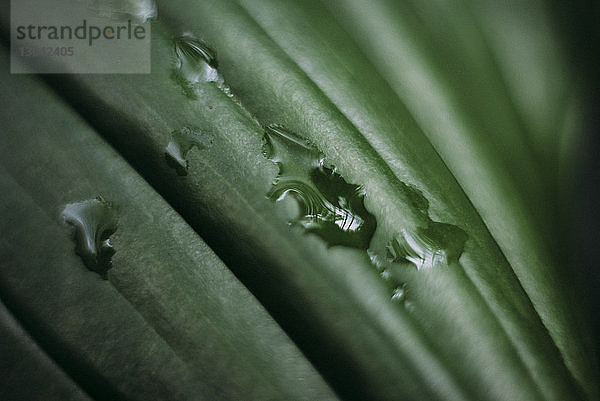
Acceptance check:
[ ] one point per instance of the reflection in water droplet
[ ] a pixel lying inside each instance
(196, 63)
(425, 248)
(182, 141)
(95, 220)
(376, 260)
(330, 207)
(399, 294)
(334, 209)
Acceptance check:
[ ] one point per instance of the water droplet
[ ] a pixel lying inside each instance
(397, 287)
(385, 274)
(196, 63)
(427, 247)
(399, 294)
(138, 11)
(329, 206)
(95, 220)
(182, 141)
(376, 260)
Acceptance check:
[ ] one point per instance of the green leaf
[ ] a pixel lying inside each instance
(171, 322)
(26, 371)
(419, 263)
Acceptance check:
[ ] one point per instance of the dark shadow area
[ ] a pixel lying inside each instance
(92, 383)
(579, 22)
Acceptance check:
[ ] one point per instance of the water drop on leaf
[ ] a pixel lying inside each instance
(182, 141)
(137, 11)
(427, 247)
(399, 294)
(95, 220)
(329, 206)
(196, 63)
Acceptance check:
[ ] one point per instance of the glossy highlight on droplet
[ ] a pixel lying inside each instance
(196, 64)
(329, 206)
(94, 220)
(433, 243)
(182, 141)
(399, 294)
(439, 243)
